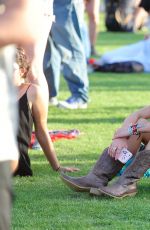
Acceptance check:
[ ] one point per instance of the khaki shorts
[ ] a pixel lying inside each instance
(5, 195)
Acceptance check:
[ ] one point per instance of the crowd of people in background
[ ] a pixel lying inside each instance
(51, 48)
(72, 41)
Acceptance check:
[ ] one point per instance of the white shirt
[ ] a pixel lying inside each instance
(8, 118)
(139, 52)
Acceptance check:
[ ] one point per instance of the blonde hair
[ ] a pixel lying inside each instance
(22, 60)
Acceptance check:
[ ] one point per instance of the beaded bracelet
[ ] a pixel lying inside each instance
(57, 168)
(133, 129)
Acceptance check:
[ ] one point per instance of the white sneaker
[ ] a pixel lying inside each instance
(72, 103)
(53, 101)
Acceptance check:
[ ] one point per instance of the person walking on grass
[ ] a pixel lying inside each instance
(64, 51)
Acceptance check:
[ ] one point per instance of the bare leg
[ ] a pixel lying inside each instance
(92, 8)
(135, 141)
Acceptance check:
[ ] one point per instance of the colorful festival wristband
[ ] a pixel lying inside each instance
(133, 129)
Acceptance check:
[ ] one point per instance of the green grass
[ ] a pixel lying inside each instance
(43, 202)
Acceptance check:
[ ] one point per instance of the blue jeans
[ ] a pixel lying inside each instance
(86, 39)
(65, 51)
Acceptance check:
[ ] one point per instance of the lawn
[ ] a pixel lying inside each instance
(43, 202)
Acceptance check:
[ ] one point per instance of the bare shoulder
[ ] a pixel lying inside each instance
(34, 92)
(37, 95)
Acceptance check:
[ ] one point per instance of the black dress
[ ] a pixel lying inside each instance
(24, 136)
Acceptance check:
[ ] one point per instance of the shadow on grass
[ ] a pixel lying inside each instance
(120, 82)
(86, 120)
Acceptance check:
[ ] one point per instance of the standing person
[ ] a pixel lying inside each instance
(36, 73)
(65, 48)
(19, 24)
(92, 8)
(8, 153)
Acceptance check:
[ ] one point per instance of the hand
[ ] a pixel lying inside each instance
(68, 169)
(116, 146)
(144, 125)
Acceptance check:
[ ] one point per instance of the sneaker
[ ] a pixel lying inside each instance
(72, 103)
(53, 101)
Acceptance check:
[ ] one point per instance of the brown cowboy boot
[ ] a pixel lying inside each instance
(104, 170)
(126, 184)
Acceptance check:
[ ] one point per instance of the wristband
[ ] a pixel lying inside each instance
(57, 169)
(133, 129)
(130, 130)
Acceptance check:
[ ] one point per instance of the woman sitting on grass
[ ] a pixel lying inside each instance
(33, 109)
(108, 165)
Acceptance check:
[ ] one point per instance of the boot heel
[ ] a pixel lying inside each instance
(132, 194)
(95, 191)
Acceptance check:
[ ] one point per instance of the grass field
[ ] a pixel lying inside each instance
(43, 202)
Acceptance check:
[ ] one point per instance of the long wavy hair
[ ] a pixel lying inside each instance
(22, 61)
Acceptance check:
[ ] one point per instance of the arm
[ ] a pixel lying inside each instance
(19, 23)
(23, 22)
(35, 53)
(134, 117)
(121, 136)
(40, 111)
(140, 117)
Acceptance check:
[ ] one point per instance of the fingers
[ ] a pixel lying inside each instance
(117, 153)
(69, 169)
(112, 150)
(72, 169)
(76, 169)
